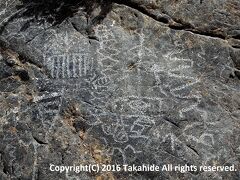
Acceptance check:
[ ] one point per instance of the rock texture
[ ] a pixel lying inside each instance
(121, 82)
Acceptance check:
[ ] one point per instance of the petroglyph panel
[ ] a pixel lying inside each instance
(126, 87)
(146, 92)
(148, 82)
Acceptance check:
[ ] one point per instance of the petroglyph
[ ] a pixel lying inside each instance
(101, 82)
(140, 51)
(134, 105)
(124, 155)
(73, 62)
(179, 69)
(17, 24)
(48, 107)
(70, 66)
(140, 127)
(107, 53)
(116, 130)
(5, 5)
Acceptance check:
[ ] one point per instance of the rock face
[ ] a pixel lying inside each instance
(121, 82)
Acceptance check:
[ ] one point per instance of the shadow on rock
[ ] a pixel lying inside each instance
(56, 11)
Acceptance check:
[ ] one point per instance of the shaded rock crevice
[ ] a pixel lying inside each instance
(177, 24)
(55, 12)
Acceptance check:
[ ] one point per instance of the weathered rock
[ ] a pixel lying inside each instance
(212, 18)
(124, 83)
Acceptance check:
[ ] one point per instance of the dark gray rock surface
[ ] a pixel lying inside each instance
(127, 82)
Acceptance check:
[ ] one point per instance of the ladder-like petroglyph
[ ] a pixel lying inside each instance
(67, 66)
(73, 62)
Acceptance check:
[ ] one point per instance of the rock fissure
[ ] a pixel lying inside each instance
(173, 23)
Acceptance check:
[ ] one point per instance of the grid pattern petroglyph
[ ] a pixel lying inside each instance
(70, 66)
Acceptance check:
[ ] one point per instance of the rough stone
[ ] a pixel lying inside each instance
(119, 82)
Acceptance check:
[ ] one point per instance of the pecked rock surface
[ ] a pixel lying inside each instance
(122, 82)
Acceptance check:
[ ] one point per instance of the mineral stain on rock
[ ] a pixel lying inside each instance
(119, 82)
